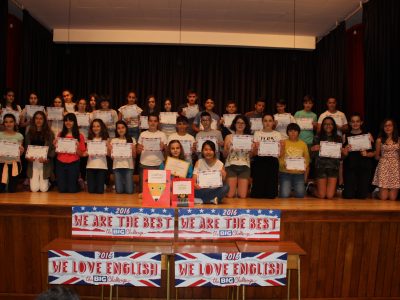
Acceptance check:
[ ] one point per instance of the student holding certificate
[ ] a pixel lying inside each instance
(124, 163)
(237, 163)
(83, 117)
(209, 176)
(190, 109)
(168, 128)
(205, 120)
(56, 124)
(387, 175)
(9, 106)
(39, 169)
(67, 163)
(307, 121)
(293, 164)
(112, 115)
(265, 183)
(151, 159)
(10, 163)
(215, 119)
(96, 168)
(227, 118)
(30, 109)
(69, 103)
(282, 118)
(130, 114)
(357, 164)
(175, 161)
(326, 162)
(187, 140)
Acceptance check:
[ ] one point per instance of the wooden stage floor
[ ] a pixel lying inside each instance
(352, 246)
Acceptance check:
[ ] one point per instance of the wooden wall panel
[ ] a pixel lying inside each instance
(349, 255)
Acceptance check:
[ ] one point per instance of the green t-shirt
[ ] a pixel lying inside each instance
(306, 136)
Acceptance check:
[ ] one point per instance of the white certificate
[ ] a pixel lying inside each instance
(129, 112)
(269, 148)
(305, 123)
(83, 119)
(105, 116)
(283, 120)
(330, 149)
(191, 111)
(242, 142)
(31, 109)
(201, 140)
(168, 117)
(359, 142)
(65, 145)
(15, 113)
(182, 187)
(187, 147)
(295, 164)
(209, 179)
(97, 148)
(70, 107)
(9, 149)
(256, 124)
(144, 122)
(157, 176)
(151, 144)
(55, 113)
(37, 151)
(228, 118)
(121, 150)
(177, 167)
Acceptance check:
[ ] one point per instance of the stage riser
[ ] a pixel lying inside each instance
(349, 255)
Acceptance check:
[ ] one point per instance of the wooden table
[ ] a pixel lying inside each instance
(293, 250)
(165, 248)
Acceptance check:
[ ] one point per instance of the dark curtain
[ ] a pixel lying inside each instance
(169, 71)
(330, 78)
(3, 44)
(36, 63)
(355, 69)
(382, 60)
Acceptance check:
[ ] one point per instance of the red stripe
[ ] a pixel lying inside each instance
(61, 252)
(198, 282)
(264, 255)
(147, 283)
(273, 282)
(188, 255)
(73, 279)
(139, 254)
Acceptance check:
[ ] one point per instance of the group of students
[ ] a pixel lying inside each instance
(202, 137)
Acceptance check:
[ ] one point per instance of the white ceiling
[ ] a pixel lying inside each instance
(313, 17)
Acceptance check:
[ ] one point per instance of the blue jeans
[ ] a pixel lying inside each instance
(290, 181)
(208, 194)
(67, 176)
(123, 181)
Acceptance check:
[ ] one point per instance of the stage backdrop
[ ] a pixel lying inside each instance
(222, 73)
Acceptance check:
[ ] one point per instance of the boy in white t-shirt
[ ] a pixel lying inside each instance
(152, 158)
(338, 116)
(186, 139)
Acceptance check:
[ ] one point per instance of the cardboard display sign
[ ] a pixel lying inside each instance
(156, 188)
(182, 194)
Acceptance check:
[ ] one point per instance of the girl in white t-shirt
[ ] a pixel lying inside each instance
(209, 162)
(130, 113)
(265, 169)
(151, 159)
(123, 166)
(96, 168)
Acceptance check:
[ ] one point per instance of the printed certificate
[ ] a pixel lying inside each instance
(269, 148)
(256, 124)
(65, 145)
(37, 152)
(9, 149)
(31, 109)
(177, 167)
(359, 142)
(330, 149)
(97, 148)
(168, 117)
(305, 123)
(151, 144)
(144, 122)
(209, 179)
(121, 150)
(228, 119)
(242, 142)
(295, 164)
(55, 113)
(83, 119)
